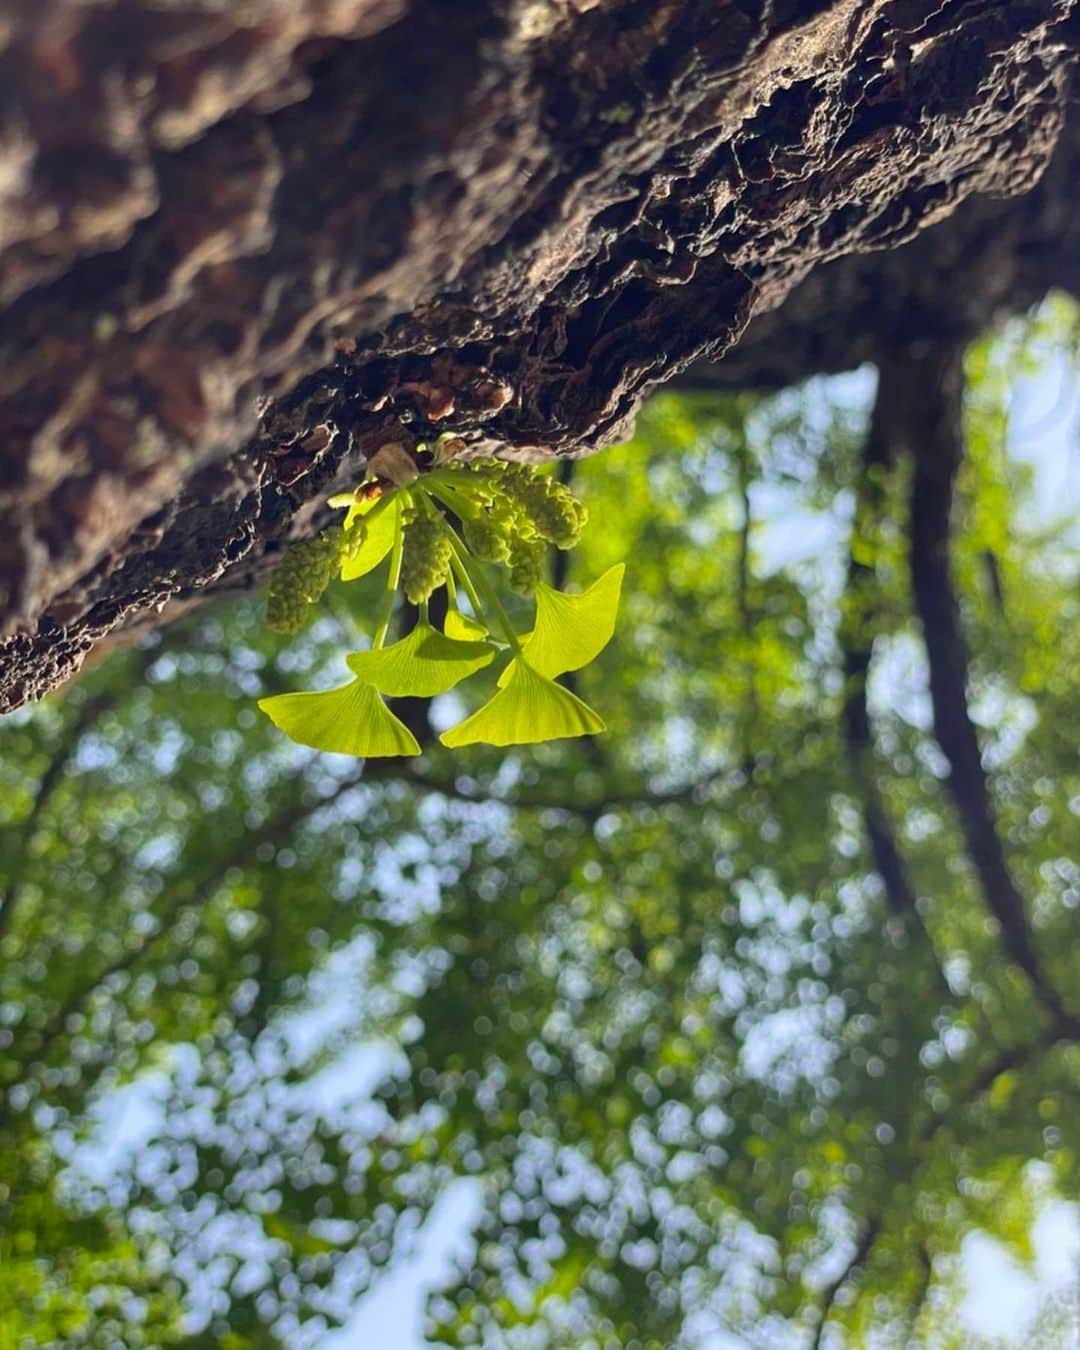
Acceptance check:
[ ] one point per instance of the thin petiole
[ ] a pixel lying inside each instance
(466, 582)
(392, 579)
(451, 497)
(485, 586)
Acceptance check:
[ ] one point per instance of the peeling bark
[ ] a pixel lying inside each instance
(243, 246)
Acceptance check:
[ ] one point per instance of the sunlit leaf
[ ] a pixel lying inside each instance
(349, 720)
(572, 630)
(528, 708)
(422, 664)
(381, 526)
(463, 627)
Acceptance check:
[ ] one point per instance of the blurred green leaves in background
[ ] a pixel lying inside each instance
(648, 996)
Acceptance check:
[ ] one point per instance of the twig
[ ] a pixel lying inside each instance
(591, 810)
(89, 712)
(1004, 1062)
(193, 895)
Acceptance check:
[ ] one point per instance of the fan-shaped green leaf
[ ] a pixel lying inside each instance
(349, 720)
(463, 627)
(383, 522)
(528, 708)
(422, 664)
(572, 630)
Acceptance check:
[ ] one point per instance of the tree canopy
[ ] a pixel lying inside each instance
(738, 1019)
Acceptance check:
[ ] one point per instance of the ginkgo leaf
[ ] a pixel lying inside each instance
(349, 720)
(463, 627)
(359, 502)
(572, 630)
(421, 665)
(381, 527)
(528, 708)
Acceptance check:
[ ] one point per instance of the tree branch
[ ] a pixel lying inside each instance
(194, 894)
(861, 618)
(242, 255)
(590, 810)
(860, 621)
(928, 385)
(1006, 1061)
(186, 895)
(743, 587)
(863, 1248)
(88, 713)
(918, 409)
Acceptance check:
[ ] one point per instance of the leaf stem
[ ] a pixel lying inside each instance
(392, 578)
(458, 502)
(486, 587)
(466, 582)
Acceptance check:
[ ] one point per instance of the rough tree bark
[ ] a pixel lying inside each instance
(243, 246)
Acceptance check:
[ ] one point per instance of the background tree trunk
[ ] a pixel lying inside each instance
(242, 247)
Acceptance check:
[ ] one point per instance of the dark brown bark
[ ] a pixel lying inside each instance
(243, 248)
(989, 259)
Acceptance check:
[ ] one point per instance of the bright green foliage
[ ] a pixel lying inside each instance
(509, 515)
(631, 1019)
(422, 664)
(374, 524)
(69, 1279)
(463, 628)
(349, 720)
(570, 631)
(485, 540)
(528, 708)
(526, 560)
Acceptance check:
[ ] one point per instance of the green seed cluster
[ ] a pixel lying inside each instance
(526, 564)
(352, 539)
(509, 514)
(426, 553)
(485, 540)
(549, 506)
(300, 578)
(518, 512)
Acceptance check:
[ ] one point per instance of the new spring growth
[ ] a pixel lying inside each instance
(507, 516)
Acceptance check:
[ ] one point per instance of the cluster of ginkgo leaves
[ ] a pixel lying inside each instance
(505, 514)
